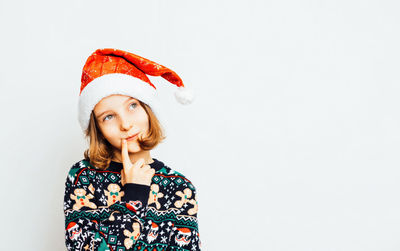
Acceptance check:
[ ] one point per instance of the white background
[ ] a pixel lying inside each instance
(293, 139)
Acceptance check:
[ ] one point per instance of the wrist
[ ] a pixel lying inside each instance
(134, 191)
(139, 182)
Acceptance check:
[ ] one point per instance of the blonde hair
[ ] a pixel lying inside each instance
(100, 151)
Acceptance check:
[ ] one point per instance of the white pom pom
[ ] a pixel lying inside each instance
(184, 95)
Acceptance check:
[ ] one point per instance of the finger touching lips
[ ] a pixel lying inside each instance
(132, 137)
(124, 152)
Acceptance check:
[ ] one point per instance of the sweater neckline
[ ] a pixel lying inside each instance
(117, 166)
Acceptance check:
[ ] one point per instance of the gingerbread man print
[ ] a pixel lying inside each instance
(113, 194)
(193, 210)
(185, 196)
(82, 200)
(132, 236)
(155, 195)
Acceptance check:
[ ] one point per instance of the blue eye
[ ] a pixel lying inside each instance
(134, 105)
(106, 117)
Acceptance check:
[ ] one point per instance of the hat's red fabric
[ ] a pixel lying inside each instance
(107, 61)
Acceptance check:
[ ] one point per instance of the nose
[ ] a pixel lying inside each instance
(126, 124)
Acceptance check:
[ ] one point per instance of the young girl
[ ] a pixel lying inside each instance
(119, 197)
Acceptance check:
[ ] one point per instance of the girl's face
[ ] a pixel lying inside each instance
(121, 117)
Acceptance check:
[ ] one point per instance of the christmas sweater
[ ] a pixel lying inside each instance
(101, 214)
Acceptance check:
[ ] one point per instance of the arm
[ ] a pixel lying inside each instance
(185, 234)
(88, 223)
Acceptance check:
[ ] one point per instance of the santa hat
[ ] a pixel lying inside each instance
(72, 225)
(154, 226)
(112, 71)
(184, 231)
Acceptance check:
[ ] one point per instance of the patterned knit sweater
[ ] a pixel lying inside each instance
(101, 214)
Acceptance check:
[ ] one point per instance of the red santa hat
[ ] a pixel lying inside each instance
(72, 225)
(112, 71)
(154, 226)
(184, 231)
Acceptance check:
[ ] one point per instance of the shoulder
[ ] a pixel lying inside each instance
(171, 190)
(76, 169)
(165, 176)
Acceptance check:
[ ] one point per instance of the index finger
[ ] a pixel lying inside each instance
(126, 161)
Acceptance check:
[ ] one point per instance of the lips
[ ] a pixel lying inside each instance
(132, 137)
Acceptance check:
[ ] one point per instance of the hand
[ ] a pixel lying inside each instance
(138, 172)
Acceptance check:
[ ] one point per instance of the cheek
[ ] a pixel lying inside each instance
(111, 136)
(142, 120)
(146, 126)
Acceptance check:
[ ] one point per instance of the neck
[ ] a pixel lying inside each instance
(134, 157)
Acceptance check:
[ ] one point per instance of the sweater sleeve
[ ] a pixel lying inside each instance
(185, 234)
(92, 226)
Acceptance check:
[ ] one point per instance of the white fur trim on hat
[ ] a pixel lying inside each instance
(114, 83)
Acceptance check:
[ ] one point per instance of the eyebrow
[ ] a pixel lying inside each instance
(101, 114)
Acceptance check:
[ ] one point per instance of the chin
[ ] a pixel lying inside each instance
(134, 149)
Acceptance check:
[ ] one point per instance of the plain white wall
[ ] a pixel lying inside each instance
(293, 139)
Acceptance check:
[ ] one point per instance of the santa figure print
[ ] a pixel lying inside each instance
(73, 231)
(183, 236)
(152, 235)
